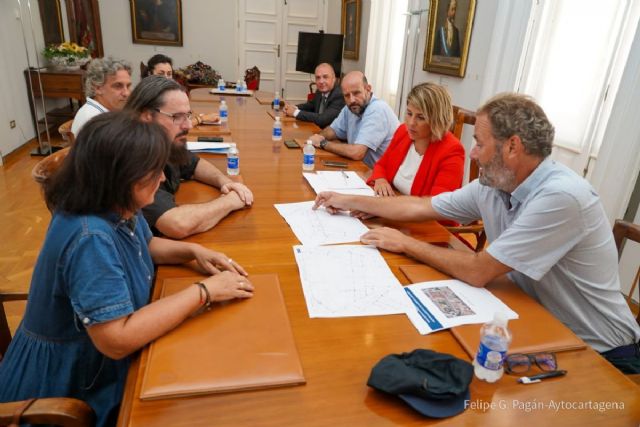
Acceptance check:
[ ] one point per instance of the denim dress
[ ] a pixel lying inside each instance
(92, 269)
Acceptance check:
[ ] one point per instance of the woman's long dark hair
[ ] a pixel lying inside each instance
(113, 151)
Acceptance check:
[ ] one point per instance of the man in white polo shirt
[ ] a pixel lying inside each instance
(107, 86)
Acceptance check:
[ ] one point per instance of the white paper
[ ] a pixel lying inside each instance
(342, 180)
(208, 147)
(319, 227)
(443, 304)
(347, 183)
(348, 280)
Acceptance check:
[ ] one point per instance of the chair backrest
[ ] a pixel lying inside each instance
(60, 411)
(5, 333)
(252, 78)
(312, 91)
(48, 166)
(623, 231)
(463, 117)
(51, 411)
(65, 132)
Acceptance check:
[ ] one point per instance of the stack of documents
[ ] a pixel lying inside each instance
(442, 304)
(345, 182)
(208, 147)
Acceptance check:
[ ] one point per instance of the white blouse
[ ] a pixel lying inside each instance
(407, 171)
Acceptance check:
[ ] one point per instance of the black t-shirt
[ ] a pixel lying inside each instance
(165, 198)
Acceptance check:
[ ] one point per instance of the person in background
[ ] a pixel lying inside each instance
(88, 310)
(165, 102)
(326, 103)
(107, 85)
(366, 123)
(158, 65)
(546, 226)
(162, 65)
(424, 158)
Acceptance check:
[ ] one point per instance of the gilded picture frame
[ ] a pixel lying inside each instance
(449, 36)
(351, 28)
(51, 18)
(83, 17)
(158, 23)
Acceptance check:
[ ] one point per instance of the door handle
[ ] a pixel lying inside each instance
(277, 49)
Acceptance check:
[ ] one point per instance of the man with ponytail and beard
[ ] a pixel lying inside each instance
(165, 102)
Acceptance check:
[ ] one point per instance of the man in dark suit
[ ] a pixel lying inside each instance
(326, 103)
(447, 36)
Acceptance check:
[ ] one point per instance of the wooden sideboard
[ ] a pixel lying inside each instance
(55, 84)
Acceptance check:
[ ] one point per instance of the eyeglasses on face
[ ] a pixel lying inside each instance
(519, 363)
(178, 118)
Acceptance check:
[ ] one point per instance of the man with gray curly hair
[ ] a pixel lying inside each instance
(107, 86)
(546, 227)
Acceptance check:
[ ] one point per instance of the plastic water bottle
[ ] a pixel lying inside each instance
(221, 84)
(494, 344)
(224, 113)
(233, 160)
(276, 135)
(244, 86)
(276, 101)
(309, 155)
(238, 85)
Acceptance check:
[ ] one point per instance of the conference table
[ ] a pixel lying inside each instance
(337, 354)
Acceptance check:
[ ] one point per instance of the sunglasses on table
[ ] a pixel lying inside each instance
(520, 363)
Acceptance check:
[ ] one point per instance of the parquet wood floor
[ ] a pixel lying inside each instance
(24, 219)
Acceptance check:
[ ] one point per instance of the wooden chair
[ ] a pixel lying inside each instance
(252, 78)
(47, 166)
(465, 117)
(61, 411)
(312, 92)
(65, 132)
(623, 231)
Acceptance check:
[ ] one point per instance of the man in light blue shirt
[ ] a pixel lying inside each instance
(366, 123)
(547, 228)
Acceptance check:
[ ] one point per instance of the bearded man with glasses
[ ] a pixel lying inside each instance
(165, 102)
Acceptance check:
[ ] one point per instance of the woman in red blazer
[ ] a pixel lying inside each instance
(423, 158)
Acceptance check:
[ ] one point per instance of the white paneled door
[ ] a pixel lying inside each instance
(268, 38)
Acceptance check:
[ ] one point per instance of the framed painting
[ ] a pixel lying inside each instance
(449, 36)
(351, 28)
(83, 17)
(156, 22)
(51, 18)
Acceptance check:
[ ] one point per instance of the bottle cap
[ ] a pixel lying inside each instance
(308, 141)
(277, 118)
(500, 318)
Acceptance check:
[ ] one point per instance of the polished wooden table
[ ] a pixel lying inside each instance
(338, 354)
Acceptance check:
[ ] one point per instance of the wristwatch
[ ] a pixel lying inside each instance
(323, 143)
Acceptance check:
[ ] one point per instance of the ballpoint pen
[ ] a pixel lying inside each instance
(537, 378)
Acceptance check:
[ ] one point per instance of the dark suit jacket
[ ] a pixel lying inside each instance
(309, 110)
(441, 47)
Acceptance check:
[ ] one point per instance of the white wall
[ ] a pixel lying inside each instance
(14, 104)
(208, 33)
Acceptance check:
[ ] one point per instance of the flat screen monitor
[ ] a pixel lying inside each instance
(316, 48)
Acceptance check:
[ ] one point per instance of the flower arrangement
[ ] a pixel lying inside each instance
(198, 73)
(66, 54)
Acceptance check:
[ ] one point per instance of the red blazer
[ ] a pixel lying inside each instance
(441, 169)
